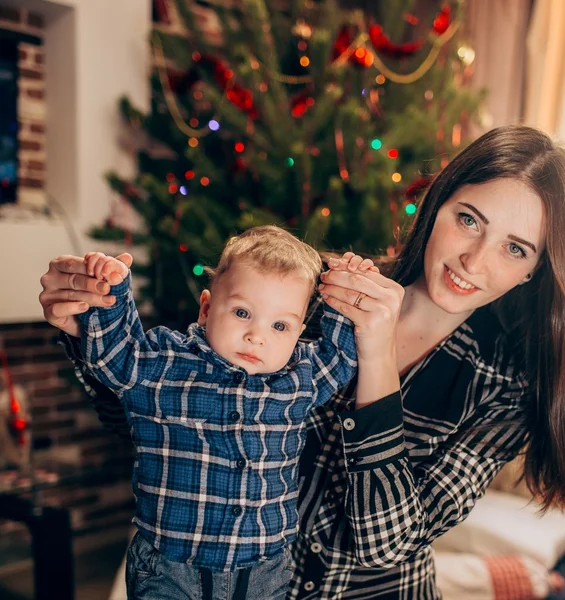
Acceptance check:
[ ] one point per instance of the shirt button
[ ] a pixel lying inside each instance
(309, 586)
(236, 510)
(349, 424)
(234, 416)
(240, 463)
(238, 377)
(316, 548)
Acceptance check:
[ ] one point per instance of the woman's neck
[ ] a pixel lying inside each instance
(419, 310)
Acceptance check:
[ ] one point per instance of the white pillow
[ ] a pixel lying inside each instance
(470, 577)
(502, 523)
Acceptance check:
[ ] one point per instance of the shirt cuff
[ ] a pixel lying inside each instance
(71, 345)
(122, 288)
(373, 435)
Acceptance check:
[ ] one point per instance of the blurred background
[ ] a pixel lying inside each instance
(160, 127)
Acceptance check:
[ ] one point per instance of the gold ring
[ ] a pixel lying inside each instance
(359, 299)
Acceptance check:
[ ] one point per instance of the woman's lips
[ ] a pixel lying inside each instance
(454, 287)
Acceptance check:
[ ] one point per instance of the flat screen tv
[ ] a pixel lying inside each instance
(8, 120)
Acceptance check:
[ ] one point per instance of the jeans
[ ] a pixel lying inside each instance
(151, 576)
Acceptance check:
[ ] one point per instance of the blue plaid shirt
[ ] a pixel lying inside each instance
(215, 475)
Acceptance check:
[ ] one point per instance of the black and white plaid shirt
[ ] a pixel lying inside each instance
(379, 484)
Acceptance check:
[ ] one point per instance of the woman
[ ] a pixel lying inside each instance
(478, 343)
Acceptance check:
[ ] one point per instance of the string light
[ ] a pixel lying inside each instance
(289, 162)
(193, 122)
(380, 79)
(410, 209)
(396, 177)
(376, 144)
(183, 248)
(302, 45)
(214, 125)
(192, 142)
(392, 153)
(182, 190)
(198, 270)
(239, 147)
(325, 212)
(170, 177)
(304, 61)
(204, 181)
(173, 188)
(466, 54)
(189, 175)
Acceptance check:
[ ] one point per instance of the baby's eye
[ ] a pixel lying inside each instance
(280, 326)
(241, 313)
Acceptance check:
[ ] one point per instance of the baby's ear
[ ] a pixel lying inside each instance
(205, 302)
(303, 328)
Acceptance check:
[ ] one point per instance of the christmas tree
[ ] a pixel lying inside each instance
(322, 119)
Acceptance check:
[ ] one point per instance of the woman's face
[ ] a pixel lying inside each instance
(486, 239)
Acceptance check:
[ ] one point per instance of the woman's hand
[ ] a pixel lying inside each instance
(354, 287)
(68, 291)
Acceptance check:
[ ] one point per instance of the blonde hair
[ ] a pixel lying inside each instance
(270, 249)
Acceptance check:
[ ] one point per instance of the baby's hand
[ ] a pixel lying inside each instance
(352, 262)
(104, 267)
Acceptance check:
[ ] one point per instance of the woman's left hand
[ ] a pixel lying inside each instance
(354, 287)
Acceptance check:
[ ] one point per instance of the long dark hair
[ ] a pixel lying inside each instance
(533, 314)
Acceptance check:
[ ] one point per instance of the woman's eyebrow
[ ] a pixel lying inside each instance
(482, 217)
(477, 212)
(515, 238)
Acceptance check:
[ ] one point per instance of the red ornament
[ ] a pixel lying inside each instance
(383, 45)
(417, 187)
(342, 44)
(17, 424)
(239, 165)
(301, 103)
(161, 11)
(442, 20)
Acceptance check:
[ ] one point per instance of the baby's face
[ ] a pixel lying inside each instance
(254, 319)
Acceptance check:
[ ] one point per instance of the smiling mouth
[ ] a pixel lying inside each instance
(249, 357)
(457, 283)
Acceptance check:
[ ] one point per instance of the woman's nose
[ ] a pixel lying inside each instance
(475, 259)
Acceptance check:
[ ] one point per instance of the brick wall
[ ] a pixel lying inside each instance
(31, 104)
(67, 436)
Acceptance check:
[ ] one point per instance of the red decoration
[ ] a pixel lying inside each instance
(161, 11)
(301, 103)
(17, 424)
(442, 20)
(236, 94)
(383, 45)
(417, 187)
(239, 165)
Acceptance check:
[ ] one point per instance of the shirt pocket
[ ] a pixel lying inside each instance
(185, 411)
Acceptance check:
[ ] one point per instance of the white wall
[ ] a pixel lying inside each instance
(96, 51)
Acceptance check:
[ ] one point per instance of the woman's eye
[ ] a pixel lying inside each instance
(279, 326)
(467, 220)
(516, 250)
(241, 313)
